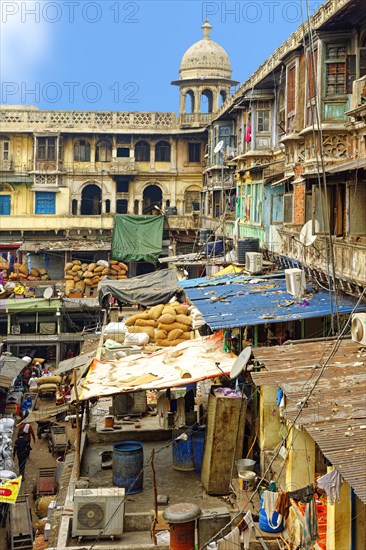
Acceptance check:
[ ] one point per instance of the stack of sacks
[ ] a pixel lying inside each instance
(79, 275)
(197, 318)
(166, 324)
(21, 272)
(48, 384)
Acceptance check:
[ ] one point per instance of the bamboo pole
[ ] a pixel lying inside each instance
(78, 429)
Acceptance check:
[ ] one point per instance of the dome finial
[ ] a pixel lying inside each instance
(206, 27)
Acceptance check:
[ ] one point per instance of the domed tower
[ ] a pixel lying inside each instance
(205, 80)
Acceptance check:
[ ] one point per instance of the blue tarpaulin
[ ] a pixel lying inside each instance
(235, 301)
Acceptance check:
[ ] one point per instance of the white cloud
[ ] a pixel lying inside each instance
(25, 40)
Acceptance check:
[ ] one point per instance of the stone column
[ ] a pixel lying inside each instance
(78, 210)
(173, 155)
(152, 157)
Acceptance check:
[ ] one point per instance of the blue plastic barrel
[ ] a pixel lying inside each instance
(198, 444)
(263, 520)
(128, 462)
(182, 450)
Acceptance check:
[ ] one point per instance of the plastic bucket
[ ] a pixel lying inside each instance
(128, 461)
(182, 450)
(266, 524)
(246, 481)
(198, 444)
(245, 465)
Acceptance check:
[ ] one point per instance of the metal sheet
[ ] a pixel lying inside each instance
(236, 301)
(335, 413)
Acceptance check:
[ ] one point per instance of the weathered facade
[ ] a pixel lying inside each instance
(64, 175)
(294, 150)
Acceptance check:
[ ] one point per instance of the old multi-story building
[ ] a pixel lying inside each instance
(65, 174)
(291, 165)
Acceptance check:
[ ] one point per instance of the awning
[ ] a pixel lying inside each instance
(186, 363)
(32, 304)
(281, 181)
(10, 367)
(236, 301)
(137, 238)
(148, 290)
(47, 413)
(335, 414)
(355, 164)
(79, 362)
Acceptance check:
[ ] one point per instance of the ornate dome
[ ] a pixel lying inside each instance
(205, 59)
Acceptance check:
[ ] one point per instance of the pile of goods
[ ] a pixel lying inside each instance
(164, 324)
(48, 384)
(6, 443)
(21, 272)
(79, 275)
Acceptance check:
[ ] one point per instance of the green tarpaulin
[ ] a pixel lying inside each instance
(137, 238)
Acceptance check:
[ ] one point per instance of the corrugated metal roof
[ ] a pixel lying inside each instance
(335, 414)
(235, 301)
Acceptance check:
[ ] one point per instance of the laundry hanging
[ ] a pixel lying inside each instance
(283, 504)
(269, 506)
(310, 533)
(246, 527)
(230, 541)
(305, 494)
(331, 484)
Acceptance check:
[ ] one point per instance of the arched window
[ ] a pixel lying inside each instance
(189, 108)
(162, 151)
(107, 206)
(152, 200)
(91, 200)
(222, 97)
(82, 151)
(103, 152)
(206, 101)
(142, 151)
(192, 200)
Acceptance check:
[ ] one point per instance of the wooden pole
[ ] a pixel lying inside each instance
(155, 521)
(78, 429)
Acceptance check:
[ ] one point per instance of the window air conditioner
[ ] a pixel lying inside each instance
(358, 328)
(98, 511)
(15, 329)
(254, 262)
(295, 281)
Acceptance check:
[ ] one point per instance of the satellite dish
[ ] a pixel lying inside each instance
(307, 236)
(240, 362)
(48, 293)
(218, 146)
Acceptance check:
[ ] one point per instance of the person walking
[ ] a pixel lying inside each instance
(22, 449)
(27, 430)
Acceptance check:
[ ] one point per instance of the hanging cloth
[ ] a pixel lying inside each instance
(269, 505)
(303, 495)
(230, 541)
(247, 532)
(331, 484)
(283, 505)
(310, 534)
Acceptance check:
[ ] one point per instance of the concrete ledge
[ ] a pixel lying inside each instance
(100, 436)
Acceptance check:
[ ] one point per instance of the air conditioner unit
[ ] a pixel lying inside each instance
(15, 329)
(358, 328)
(98, 512)
(295, 281)
(254, 262)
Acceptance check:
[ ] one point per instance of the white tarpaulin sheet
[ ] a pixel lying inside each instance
(186, 363)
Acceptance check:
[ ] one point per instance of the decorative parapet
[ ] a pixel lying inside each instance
(325, 12)
(33, 120)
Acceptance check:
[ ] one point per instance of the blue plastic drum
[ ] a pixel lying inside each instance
(128, 463)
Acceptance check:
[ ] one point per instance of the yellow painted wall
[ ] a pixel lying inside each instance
(339, 520)
(269, 418)
(300, 466)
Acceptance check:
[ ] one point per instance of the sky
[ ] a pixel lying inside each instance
(118, 55)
